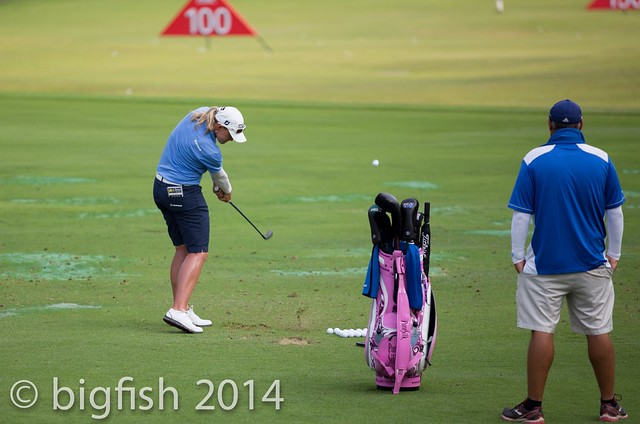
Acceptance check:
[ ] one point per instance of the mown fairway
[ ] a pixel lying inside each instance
(447, 95)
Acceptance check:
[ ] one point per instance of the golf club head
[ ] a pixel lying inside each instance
(373, 224)
(269, 233)
(381, 232)
(409, 210)
(390, 204)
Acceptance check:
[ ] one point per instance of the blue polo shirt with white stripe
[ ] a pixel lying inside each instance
(567, 185)
(189, 153)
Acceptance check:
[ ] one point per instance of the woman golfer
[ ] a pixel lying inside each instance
(191, 150)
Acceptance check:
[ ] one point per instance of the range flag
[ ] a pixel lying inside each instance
(614, 5)
(208, 18)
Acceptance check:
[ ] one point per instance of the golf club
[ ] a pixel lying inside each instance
(269, 232)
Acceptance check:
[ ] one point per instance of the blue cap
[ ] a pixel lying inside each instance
(566, 112)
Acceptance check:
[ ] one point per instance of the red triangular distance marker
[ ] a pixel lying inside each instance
(614, 5)
(208, 18)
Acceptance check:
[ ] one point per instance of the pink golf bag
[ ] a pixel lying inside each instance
(402, 327)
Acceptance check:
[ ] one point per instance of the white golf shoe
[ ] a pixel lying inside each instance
(181, 320)
(196, 320)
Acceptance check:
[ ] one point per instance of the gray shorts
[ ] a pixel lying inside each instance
(589, 296)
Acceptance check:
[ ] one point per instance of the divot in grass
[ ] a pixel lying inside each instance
(295, 341)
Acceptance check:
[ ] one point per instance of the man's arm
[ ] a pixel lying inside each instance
(519, 231)
(615, 228)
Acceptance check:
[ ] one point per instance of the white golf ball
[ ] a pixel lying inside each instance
(335, 330)
(375, 162)
(344, 333)
(352, 333)
(359, 332)
(364, 332)
(329, 330)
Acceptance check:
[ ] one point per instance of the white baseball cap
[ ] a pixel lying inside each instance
(231, 118)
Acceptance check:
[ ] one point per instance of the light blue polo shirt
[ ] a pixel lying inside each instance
(189, 153)
(567, 185)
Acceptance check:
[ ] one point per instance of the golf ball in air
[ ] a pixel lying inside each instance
(375, 162)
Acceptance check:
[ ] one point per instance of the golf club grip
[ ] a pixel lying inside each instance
(425, 239)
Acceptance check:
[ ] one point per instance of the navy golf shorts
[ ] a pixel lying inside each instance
(186, 213)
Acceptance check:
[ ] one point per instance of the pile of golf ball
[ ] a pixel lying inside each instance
(358, 332)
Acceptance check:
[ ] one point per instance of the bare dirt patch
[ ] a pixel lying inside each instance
(296, 341)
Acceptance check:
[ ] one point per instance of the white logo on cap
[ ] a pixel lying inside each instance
(565, 120)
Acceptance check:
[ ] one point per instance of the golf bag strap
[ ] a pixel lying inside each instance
(389, 370)
(403, 323)
(414, 361)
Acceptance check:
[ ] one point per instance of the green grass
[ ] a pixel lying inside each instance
(413, 52)
(447, 95)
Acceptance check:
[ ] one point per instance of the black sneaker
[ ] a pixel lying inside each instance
(612, 413)
(520, 414)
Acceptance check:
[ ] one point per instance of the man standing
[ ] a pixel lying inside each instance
(570, 189)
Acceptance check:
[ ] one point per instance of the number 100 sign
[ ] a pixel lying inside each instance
(208, 18)
(205, 21)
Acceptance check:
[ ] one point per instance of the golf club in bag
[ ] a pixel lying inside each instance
(402, 325)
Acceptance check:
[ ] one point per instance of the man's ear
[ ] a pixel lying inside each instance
(580, 124)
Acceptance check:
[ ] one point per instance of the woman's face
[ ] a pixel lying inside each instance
(222, 134)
